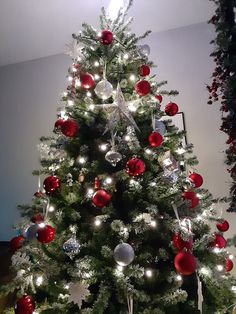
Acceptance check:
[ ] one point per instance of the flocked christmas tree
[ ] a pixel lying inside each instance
(122, 224)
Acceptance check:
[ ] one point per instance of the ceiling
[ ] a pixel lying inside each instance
(31, 29)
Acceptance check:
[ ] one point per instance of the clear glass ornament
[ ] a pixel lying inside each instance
(113, 157)
(104, 89)
(71, 247)
(123, 254)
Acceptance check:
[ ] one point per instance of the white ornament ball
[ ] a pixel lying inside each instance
(123, 254)
(104, 89)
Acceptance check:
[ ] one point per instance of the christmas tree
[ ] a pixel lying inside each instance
(122, 224)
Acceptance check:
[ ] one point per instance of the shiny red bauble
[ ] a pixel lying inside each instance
(16, 243)
(196, 179)
(155, 139)
(219, 241)
(180, 244)
(37, 218)
(228, 265)
(135, 167)
(159, 98)
(86, 80)
(69, 128)
(171, 109)
(142, 88)
(144, 70)
(191, 197)
(25, 305)
(185, 263)
(51, 184)
(106, 37)
(45, 234)
(101, 198)
(223, 226)
(58, 124)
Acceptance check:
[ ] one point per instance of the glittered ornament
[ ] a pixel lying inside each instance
(155, 139)
(86, 80)
(144, 70)
(191, 197)
(69, 128)
(144, 50)
(58, 125)
(113, 157)
(135, 167)
(51, 184)
(31, 232)
(185, 263)
(171, 109)
(71, 247)
(228, 265)
(123, 254)
(101, 198)
(24, 305)
(37, 218)
(196, 179)
(16, 243)
(104, 89)
(218, 242)
(159, 98)
(223, 226)
(142, 88)
(45, 234)
(181, 244)
(106, 37)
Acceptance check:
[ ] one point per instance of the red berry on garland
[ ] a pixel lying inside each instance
(69, 128)
(106, 37)
(196, 179)
(58, 124)
(101, 198)
(180, 244)
(25, 305)
(86, 80)
(45, 234)
(228, 265)
(219, 241)
(144, 70)
(135, 167)
(16, 243)
(155, 139)
(142, 88)
(185, 263)
(171, 109)
(51, 184)
(37, 218)
(191, 197)
(223, 226)
(159, 98)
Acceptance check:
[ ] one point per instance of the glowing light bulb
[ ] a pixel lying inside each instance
(90, 192)
(51, 208)
(132, 77)
(204, 271)
(219, 267)
(148, 151)
(132, 107)
(70, 102)
(99, 34)
(127, 138)
(96, 76)
(39, 281)
(89, 94)
(91, 107)
(153, 223)
(216, 250)
(120, 268)
(65, 94)
(96, 63)
(66, 286)
(126, 56)
(103, 147)
(179, 278)
(97, 222)
(42, 225)
(70, 78)
(148, 273)
(82, 160)
(108, 180)
(231, 256)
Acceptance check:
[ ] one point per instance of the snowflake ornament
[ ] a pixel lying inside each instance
(74, 50)
(78, 292)
(19, 259)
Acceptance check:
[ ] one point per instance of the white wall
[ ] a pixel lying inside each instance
(30, 94)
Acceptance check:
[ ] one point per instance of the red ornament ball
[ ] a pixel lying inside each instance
(185, 263)
(106, 37)
(228, 265)
(223, 226)
(25, 305)
(101, 198)
(86, 80)
(191, 197)
(45, 234)
(155, 139)
(159, 98)
(51, 184)
(142, 88)
(69, 128)
(16, 243)
(135, 167)
(58, 124)
(171, 109)
(219, 241)
(196, 179)
(180, 244)
(37, 218)
(144, 70)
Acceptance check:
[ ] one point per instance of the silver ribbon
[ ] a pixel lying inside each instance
(199, 294)
(130, 302)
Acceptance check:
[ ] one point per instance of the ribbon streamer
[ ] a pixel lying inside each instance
(130, 302)
(199, 294)
(39, 183)
(175, 209)
(46, 208)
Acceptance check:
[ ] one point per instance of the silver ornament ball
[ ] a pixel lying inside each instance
(104, 89)
(160, 127)
(31, 232)
(145, 50)
(113, 157)
(123, 254)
